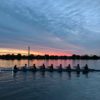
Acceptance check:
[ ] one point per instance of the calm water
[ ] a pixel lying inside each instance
(49, 86)
(20, 63)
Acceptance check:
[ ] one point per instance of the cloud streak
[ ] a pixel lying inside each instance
(62, 25)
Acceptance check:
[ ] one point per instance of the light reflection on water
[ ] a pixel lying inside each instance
(19, 63)
(49, 85)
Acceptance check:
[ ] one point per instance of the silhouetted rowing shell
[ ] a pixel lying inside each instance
(52, 70)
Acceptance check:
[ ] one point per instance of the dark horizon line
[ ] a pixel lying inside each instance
(51, 57)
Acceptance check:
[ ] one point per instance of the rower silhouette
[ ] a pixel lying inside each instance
(24, 68)
(15, 68)
(51, 68)
(86, 69)
(60, 68)
(42, 68)
(68, 68)
(78, 67)
(33, 68)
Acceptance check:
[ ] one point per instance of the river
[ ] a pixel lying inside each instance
(49, 85)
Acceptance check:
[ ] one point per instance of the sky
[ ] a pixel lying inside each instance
(59, 27)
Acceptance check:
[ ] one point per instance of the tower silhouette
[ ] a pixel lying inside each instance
(28, 50)
(28, 56)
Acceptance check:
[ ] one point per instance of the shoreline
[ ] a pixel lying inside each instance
(48, 57)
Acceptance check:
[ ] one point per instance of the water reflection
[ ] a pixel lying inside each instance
(54, 85)
(69, 75)
(44, 74)
(14, 74)
(86, 74)
(78, 74)
(20, 63)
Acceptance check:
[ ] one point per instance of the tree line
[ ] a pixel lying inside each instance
(47, 57)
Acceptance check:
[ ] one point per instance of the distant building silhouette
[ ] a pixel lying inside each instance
(28, 50)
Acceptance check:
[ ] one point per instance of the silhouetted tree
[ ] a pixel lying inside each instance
(47, 57)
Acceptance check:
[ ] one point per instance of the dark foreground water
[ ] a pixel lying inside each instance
(50, 86)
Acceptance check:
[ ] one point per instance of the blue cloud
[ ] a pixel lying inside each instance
(60, 24)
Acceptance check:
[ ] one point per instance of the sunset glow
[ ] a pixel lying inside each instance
(60, 29)
(25, 52)
(49, 49)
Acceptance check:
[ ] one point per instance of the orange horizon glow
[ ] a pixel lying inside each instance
(4, 51)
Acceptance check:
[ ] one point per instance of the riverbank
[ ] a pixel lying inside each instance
(47, 57)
